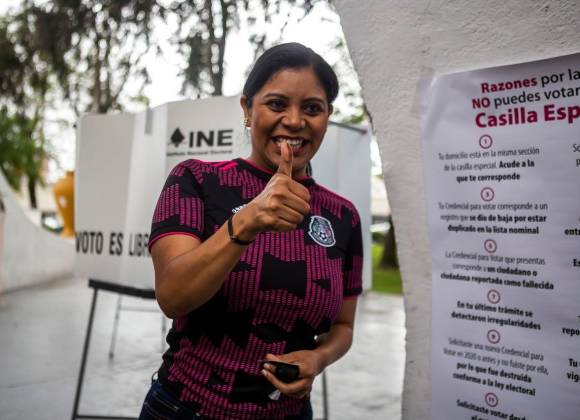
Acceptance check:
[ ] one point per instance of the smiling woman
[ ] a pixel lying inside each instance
(258, 265)
(290, 107)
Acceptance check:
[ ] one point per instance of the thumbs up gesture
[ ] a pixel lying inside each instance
(283, 203)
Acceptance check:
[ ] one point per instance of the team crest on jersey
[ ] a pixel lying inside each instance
(321, 231)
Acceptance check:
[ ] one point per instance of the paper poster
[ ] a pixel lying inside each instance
(501, 153)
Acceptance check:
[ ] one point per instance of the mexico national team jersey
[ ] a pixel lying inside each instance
(286, 288)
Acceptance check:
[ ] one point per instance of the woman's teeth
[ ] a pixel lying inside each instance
(293, 143)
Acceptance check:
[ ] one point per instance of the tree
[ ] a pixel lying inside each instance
(24, 83)
(389, 258)
(22, 151)
(93, 47)
(203, 28)
(84, 50)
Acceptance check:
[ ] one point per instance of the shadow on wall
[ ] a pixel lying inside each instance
(31, 255)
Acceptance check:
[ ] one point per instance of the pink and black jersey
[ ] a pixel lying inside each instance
(286, 288)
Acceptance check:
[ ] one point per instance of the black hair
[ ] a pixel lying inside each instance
(291, 55)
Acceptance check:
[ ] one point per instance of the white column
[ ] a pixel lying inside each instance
(393, 44)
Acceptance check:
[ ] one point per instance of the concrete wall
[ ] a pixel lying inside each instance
(31, 254)
(393, 44)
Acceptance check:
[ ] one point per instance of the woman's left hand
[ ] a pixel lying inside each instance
(309, 364)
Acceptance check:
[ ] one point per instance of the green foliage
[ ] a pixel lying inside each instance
(24, 79)
(24, 83)
(22, 153)
(83, 50)
(385, 280)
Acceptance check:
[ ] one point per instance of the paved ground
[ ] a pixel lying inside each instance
(42, 331)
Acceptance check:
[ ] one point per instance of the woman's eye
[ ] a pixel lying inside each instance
(276, 104)
(313, 108)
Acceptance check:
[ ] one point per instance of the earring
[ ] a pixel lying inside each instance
(247, 121)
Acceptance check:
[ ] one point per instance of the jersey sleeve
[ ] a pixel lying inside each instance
(353, 263)
(180, 207)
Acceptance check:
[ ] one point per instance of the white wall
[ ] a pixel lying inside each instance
(31, 254)
(393, 44)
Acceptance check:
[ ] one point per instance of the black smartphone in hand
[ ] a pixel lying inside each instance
(286, 372)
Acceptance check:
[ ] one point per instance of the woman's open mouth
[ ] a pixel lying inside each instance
(295, 143)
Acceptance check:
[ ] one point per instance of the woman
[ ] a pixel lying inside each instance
(255, 261)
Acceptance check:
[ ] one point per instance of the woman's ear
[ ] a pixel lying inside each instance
(330, 109)
(247, 110)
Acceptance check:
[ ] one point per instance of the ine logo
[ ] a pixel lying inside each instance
(177, 137)
(203, 139)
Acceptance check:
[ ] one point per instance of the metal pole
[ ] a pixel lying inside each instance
(84, 358)
(115, 326)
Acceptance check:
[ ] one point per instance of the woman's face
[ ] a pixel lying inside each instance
(291, 106)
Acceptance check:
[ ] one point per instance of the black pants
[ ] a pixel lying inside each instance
(160, 404)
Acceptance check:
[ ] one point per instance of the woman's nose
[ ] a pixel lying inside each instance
(293, 120)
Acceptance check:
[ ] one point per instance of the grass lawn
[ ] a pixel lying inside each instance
(384, 280)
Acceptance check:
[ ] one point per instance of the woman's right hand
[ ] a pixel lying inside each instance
(283, 203)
